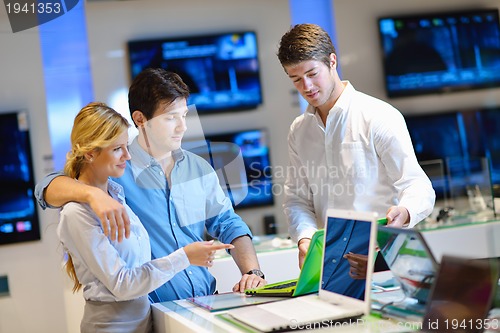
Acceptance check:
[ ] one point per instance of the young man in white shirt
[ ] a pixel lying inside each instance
(354, 150)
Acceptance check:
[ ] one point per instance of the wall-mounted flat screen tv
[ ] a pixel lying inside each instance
(250, 185)
(440, 52)
(18, 214)
(221, 70)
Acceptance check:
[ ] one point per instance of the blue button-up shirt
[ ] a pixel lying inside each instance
(342, 237)
(176, 215)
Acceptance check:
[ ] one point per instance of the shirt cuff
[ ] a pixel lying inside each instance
(179, 260)
(306, 234)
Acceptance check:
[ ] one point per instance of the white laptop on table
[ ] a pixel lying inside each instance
(332, 302)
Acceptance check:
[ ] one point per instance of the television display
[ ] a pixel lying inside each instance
(221, 70)
(18, 215)
(490, 129)
(440, 52)
(454, 138)
(253, 185)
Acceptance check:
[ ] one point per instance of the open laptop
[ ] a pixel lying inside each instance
(308, 280)
(334, 301)
(414, 268)
(462, 295)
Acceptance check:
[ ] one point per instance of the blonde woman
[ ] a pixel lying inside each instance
(116, 276)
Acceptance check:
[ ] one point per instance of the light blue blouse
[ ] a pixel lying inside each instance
(108, 270)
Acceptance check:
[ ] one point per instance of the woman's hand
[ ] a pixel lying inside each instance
(203, 253)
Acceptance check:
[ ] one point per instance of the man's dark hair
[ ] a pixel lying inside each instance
(305, 42)
(153, 87)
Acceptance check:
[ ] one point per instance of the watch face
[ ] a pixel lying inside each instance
(257, 272)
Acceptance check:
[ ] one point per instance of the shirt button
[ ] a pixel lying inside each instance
(345, 239)
(173, 224)
(334, 261)
(190, 272)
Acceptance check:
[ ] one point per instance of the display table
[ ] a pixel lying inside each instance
(278, 259)
(182, 316)
(472, 240)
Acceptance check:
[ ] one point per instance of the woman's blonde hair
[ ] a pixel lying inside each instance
(95, 127)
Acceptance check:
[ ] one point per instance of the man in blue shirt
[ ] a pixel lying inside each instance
(345, 238)
(175, 193)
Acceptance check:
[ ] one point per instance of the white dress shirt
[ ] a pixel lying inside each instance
(362, 159)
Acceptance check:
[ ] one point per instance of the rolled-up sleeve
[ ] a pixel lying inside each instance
(42, 185)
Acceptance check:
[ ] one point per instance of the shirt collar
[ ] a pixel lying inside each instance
(116, 191)
(142, 159)
(345, 98)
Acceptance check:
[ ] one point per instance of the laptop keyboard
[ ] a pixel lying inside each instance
(283, 286)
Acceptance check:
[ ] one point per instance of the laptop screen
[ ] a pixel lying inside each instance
(347, 233)
(409, 259)
(462, 295)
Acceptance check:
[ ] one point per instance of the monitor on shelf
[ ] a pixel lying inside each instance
(440, 52)
(18, 214)
(490, 129)
(253, 185)
(447, 137)
(436, 135)
(221, 70)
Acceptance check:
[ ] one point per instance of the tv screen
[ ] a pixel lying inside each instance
(252, 185)
(440, 52)
(437, 136)
(490, 129)
(221, 70)
(452, 137)
(18, 215)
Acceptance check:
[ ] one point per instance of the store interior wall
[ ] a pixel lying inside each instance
(36, 302)
(40, 299)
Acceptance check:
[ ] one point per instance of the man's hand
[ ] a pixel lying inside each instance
(113, 215)
(249, 281)
(246, 259)
(359, 264)
(397, 217)
(303, 245)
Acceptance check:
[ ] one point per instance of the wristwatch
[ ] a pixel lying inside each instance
(257, 272)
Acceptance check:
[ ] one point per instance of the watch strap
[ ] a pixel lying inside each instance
(257, 272)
